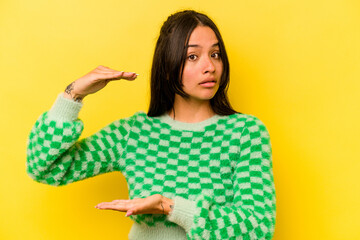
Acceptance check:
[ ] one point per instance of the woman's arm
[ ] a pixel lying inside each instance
(252, 212)
(56, 157)
(54, 154)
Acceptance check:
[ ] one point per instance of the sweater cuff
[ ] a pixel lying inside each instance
(64, 109)
(183, 213)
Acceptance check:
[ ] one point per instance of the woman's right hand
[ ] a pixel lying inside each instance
(95, 81)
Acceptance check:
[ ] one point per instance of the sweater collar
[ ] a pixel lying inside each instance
(198, 126)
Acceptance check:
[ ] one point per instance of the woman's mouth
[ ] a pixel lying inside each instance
(208, 84)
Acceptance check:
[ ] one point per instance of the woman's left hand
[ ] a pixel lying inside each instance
(154, 204)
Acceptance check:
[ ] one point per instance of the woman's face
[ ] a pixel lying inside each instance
(203, 66)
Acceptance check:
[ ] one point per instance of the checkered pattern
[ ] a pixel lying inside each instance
(251, 212)
(55, 158)
(226, 168)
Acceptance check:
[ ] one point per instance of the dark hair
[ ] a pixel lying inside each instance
(168, 64)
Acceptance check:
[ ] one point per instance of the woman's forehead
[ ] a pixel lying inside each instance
(203, 36)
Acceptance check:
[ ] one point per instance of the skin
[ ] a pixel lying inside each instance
(94, 81)
(203, 63)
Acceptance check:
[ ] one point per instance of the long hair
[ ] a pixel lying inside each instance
(168, 64)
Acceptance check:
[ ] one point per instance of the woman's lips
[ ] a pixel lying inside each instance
(208, 84)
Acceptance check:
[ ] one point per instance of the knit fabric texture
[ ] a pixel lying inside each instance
(218, 172)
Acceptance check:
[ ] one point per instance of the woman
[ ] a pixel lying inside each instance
(195, 167)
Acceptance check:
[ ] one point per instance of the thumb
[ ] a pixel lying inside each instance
(129, 213)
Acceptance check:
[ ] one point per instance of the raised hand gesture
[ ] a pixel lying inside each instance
(154, 204)
(95, 81)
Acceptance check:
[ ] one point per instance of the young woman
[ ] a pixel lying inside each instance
(195, 167)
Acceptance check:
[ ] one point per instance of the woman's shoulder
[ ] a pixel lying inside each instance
(140, 118)
(128, 121)
(244, 120)
(137, 116)
(241, 117)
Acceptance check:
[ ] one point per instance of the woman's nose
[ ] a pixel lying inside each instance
(209, 65)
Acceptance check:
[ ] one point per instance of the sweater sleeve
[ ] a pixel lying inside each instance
(55, 156)
(251, 215)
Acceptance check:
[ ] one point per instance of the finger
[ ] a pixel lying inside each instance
(104, 69)
(118, 75)
(133, 211)
(100, 205)
(110, 75)
(121, 205)
(112, 206)
(129, 213)
(130, 76)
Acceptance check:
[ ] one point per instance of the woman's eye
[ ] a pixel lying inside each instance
(192, 57)
(216, 55)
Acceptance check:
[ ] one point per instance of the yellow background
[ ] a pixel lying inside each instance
(294, 64)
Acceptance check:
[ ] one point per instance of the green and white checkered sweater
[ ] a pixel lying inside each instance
(218, 172)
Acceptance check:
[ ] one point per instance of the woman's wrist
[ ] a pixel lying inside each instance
(69, 93)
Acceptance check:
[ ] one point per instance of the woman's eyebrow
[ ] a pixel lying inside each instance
(198, 46)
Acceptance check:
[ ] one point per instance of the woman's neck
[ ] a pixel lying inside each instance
(190, 111)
